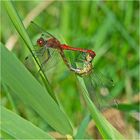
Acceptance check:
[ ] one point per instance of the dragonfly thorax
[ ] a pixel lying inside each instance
(53, 43)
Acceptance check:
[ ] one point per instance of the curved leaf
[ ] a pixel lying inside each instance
(29, 90)
(106, 129)
(20, 128)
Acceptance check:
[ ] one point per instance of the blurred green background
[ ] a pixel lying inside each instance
(110, 28)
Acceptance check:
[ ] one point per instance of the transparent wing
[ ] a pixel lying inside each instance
(40, 30)
(99, 87)
(48, 58)
(50, 61)
(29, 61)
(101, 80)
(98, 79)
(80, 57)
(76, 58)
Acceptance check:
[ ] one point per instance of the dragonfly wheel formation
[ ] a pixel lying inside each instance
(47, 44)
(55, 44)
(47, 41)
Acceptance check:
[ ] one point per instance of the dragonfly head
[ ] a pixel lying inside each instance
(41, 42)
(92, 53)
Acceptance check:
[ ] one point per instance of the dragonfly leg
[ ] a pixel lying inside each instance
(76, 70)
(40, 52)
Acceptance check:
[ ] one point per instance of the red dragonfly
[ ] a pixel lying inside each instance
(47, 41)
(94, 79)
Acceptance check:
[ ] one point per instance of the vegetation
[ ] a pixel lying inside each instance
(58, 103)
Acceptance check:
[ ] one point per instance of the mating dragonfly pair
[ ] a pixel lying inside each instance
(47, 42)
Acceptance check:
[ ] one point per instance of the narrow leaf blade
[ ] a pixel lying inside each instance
(20, 128)
(29, 90)
(106, 129)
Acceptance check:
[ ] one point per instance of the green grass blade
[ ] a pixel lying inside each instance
(10, 98)
(119, 26)
(106, 129)
(5, 135)
(128, 107)
(23, 129)
(28, 89)
(24, 35)
(82, 129)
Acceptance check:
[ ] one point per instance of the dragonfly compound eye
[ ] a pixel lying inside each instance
(40, 42)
